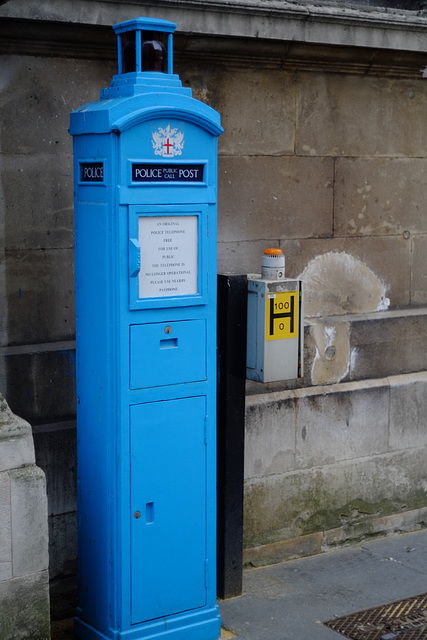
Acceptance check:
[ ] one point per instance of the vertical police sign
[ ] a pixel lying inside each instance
(145, 167)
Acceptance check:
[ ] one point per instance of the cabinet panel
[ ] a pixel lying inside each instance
(178, 350)
(168, 507)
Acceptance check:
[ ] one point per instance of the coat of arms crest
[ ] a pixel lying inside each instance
(167, 142)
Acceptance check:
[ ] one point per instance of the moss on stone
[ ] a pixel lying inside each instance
(313, 511)
(25, 612)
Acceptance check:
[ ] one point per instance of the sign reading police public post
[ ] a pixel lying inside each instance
(169, 251)
(281, 315)
(145, 172)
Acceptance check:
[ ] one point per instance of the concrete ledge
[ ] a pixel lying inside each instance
(300, 21)
(83, 41)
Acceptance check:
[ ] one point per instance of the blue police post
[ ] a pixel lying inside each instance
(145, 171)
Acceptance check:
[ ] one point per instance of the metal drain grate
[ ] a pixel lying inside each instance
(402, 620)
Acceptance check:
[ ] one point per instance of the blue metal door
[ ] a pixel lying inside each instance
(168, 507)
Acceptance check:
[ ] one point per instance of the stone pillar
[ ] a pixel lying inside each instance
(24, 578)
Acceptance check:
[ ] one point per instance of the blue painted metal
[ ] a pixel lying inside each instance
(146, 362)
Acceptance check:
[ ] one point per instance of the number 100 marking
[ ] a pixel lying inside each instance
(282, 316)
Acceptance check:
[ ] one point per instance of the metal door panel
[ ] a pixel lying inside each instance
(168, 507)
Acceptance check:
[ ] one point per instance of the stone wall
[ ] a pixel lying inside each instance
(323, 154)
(332, 168)
(37, 368)
(328, 166)
(340, 463)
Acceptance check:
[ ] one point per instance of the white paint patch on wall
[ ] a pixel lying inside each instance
(332, 358)
(337, 283)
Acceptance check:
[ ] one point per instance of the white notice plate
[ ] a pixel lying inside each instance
(169, 251)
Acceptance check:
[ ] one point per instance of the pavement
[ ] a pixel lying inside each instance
(292, 600)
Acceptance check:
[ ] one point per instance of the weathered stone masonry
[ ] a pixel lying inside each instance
(24, 576)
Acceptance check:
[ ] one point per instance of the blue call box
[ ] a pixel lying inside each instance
(145, 172)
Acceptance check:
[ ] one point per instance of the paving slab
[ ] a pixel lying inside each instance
(290, 601)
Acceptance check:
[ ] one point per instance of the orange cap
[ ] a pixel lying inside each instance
(273, 252)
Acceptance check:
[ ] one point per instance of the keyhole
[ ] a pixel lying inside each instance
(168, 329)
(137, 515)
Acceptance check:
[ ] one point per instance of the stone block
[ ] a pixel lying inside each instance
(341, 283)
(242, 257)
(364, 346)
(347, 494)
(274, 198)
(408, 411)
(16, 452)
(341, 422)
(24, 611)
(39, 297)
(29, 521)
(350, 115)
(390, 344)
(388, 258)
(41, 381)
(380, 196)
(38, 201)
(257, 108)
(419, 271)
(38, 95)
(303, 428)
(269, 436)
(400, 522)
